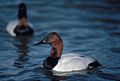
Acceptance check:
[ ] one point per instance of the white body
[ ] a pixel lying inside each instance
(11, 26)
(73, 62)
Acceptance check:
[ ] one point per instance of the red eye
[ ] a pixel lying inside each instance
(50, 37)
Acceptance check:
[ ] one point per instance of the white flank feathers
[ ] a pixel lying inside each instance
(72, 62)
(11, 26)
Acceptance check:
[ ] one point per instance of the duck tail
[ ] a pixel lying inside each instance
(94, 64)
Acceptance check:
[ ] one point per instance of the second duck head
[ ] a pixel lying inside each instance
(22, 11)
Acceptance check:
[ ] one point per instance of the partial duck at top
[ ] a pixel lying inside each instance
(20, 27)
(66, 62)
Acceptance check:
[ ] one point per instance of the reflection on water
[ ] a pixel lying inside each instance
(22, 49)
(58, 76)
(113, 1)
(53, 77)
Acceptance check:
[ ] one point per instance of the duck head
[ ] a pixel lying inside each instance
(22, 11)
(55, 41)
(22, 15)
(51, 39)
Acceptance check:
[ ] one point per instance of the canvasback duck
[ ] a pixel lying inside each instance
(66, 62)
(20, 27)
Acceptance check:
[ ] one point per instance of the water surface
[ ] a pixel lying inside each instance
(88, 27)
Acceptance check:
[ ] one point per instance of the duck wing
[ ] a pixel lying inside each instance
(72, 62)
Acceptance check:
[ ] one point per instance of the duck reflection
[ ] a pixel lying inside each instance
(52, 77)
(21, 44)
(113, 1)
(58, 76)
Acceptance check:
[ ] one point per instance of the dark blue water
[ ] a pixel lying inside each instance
(89, 27)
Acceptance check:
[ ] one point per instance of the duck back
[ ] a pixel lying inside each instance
(23, 31)
(73, 62)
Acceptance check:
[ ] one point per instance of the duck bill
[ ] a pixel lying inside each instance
(37, 43)
(43, 41)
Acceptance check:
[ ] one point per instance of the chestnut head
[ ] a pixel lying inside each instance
(50, 38)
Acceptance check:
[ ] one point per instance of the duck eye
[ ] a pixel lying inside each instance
(50, 37)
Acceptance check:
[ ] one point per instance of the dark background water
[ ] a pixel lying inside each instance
(89, 27)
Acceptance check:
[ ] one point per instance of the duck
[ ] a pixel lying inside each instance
(21, 26)
(64, 62)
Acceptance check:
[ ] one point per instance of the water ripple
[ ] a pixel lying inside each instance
(87, 27)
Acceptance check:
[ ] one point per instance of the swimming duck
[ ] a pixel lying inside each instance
(20, 27)
(66, 62)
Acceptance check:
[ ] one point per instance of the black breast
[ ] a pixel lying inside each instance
(50, 62)
(23, 31)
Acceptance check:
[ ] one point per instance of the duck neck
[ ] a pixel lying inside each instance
(22, 13)
(23, 22)
(57, 49)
